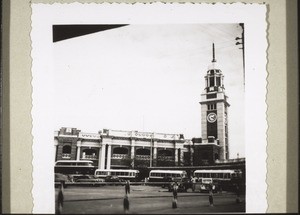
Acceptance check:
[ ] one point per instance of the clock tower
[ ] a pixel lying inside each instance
(214, 109)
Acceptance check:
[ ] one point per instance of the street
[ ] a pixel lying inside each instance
(145, 199)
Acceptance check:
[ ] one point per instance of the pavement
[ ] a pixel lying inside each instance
(145, 200)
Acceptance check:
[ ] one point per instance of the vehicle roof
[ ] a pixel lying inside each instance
(74, 161)
(167, 171)
(214, 171)
(116, 170)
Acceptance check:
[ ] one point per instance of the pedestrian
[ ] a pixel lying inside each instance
(210, 197)
(175, 190)
(126, 204)
(60, 199)
(127, 187)
(193, 179)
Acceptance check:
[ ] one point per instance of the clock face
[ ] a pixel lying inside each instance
(212, 117)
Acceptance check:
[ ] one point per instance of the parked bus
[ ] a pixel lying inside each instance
(225, 175)
(126, 174)
(67, 167)
(216, 179)
(164, 175)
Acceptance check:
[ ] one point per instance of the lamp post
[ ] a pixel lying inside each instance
(151, 136)
(240, 41)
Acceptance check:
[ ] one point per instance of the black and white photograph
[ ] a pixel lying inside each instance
(142, 117)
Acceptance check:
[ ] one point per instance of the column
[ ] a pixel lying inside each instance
(78, 153)
(55, 148)
(176, 157)
(222, 81)
(132, 152)
(181, 157)
(108, 156)
(154, 156)
(78, 149)
(102, 162)
(99, 157)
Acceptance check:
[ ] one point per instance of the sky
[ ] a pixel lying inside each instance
(147, 78)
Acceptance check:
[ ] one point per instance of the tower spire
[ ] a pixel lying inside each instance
(214, 59)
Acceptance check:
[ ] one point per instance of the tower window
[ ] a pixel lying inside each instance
(212, 106)
(218, 81)
(211, 96)
(211, 81)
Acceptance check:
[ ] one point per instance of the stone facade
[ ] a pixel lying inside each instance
(114, 149)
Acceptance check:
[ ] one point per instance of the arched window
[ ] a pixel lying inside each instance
(66, 149)
(142, 151)
(120, 150)
(165, 153)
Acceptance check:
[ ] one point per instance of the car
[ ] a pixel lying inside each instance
(183, 184)
(166, 179)
(61, 178)
(112, 178)
(89, 179)
(73, 177)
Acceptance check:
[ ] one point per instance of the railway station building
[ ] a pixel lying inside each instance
(115, 149)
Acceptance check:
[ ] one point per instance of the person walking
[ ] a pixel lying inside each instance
(175, 190)
(210, 197)
(60, 199)
(126, 204)
(193, 180)
(127, 187)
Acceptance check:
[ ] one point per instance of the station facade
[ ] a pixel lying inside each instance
(115, 149)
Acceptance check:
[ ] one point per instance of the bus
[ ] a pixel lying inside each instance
(225, 175)
(217, 179)
(126, 174)
(80, 167)
(164, 175)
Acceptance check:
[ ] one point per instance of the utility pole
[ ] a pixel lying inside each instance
(240, 41)
(151, 151)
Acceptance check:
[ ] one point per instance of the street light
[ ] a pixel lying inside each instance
(240, 41)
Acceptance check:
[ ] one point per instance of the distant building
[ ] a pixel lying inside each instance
(114, 149)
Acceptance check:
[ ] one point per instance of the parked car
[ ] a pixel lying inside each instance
(166, 179)
(89, 179)
(73, 177)
(208, 183)
(112, 178)
(183, 184)
(61, 178)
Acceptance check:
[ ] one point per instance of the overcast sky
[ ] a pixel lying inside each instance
(147, 78)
